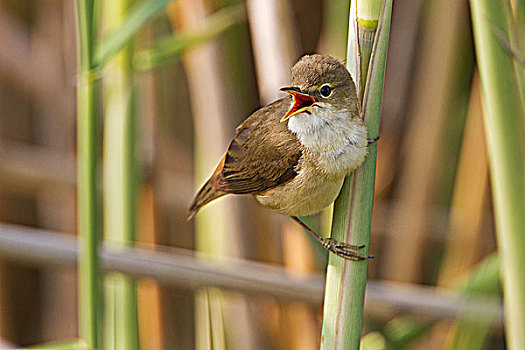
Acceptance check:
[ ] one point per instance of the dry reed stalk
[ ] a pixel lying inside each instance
(54, 122)
(217, 226)
(299, 322)
(150, 308)
(468, 208)
(275, 45)
(467, 212)
(428, 115)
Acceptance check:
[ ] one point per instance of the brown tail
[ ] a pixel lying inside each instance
(205, 195)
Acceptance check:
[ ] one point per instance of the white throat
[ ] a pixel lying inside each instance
(337, 142)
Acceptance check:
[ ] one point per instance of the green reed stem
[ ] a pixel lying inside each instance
(120, 184)
(88, 203)
(504, 121)
(346, 280)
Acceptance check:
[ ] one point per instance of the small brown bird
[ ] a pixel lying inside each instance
(294, 154)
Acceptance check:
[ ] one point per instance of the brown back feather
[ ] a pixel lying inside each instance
(264, 154)
(205, 195)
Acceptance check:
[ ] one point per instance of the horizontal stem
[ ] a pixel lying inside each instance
(182, 268)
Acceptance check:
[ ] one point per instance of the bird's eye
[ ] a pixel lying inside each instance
(325, 91)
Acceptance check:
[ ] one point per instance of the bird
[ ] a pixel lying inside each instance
(293, 155)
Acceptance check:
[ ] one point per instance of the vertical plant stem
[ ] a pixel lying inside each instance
(335, 28)
(275, 44)
(346, 280)
(431, 135)
(504, 120)
(470, 196)
(211, 120)
(88, 215)
(121, 327)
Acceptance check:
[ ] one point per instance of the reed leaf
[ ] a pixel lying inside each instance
(171, 47)
(472, 332)
(114, 41)
(403, 330)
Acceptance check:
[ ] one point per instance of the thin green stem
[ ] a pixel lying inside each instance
(88, 215)
(87, 193)
(504, 120)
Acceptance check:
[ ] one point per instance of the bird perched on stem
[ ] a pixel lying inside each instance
(294, 154)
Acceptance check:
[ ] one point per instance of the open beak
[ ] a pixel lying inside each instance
(301, 102)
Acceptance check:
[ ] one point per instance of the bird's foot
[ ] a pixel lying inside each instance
(346, 251)
(373, 140)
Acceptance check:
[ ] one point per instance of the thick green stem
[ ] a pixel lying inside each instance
(346, 280)
(88, 204)
(504, 120)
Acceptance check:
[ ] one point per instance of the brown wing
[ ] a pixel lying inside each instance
(263, 154)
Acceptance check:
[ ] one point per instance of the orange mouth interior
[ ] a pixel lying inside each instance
(301, 102)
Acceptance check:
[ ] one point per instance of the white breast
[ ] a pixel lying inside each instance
(336, 142)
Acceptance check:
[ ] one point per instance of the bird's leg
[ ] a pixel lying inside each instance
(373, 140)
(342, 249)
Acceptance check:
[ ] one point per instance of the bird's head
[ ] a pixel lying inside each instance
(321, 87)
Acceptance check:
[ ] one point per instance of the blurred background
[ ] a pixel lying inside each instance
(433, 219)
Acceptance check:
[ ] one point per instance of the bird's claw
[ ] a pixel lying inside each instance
(346, 251)
(373, 140)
